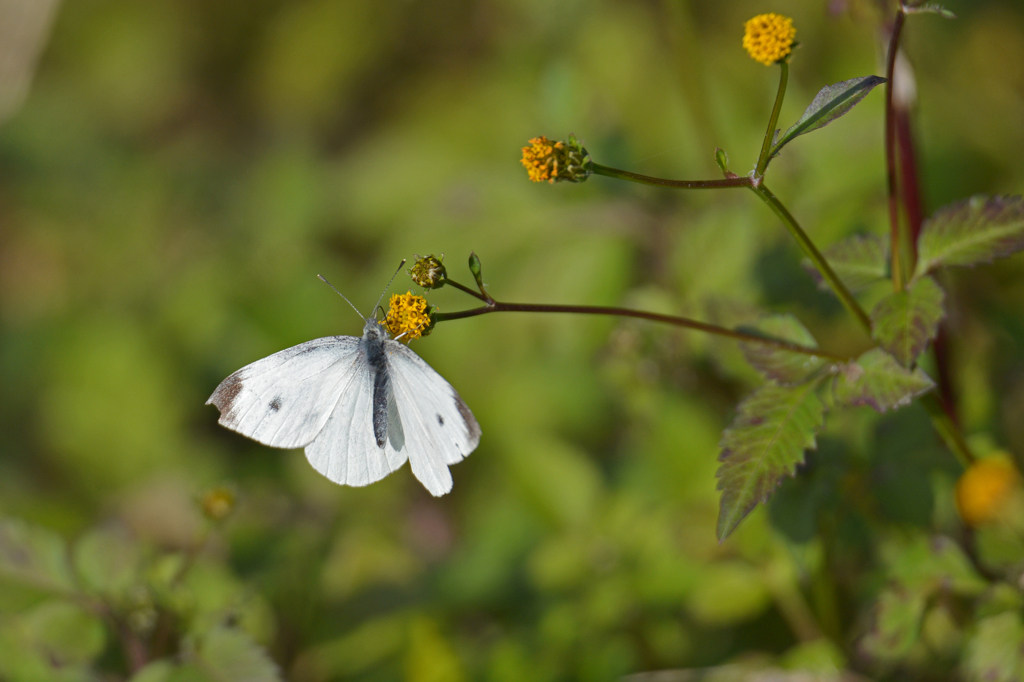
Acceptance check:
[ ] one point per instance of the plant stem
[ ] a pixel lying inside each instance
(769, 135)
(501, 307)
(899, 277)
(598, 169)
(947, 429)
(811, 251)
(463, 288)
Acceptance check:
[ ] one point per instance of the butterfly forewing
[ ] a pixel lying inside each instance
(285, 400)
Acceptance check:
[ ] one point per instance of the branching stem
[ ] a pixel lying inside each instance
(500, 307)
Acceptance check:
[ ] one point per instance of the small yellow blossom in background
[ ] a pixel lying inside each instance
(553, 161)
(218, 503)
(985, 490)
(769, 37)
(408, 315)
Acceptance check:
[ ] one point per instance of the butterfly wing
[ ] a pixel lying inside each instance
(438, 427)
(346, 450)
(286, 399)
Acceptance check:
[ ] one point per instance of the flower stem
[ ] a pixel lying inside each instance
(598, 169)
(899, 276)
(463, 288)
(501, 307)
(769, 135)
(811, 251)
(947, 429)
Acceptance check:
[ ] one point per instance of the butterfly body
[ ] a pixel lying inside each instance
(360, 406)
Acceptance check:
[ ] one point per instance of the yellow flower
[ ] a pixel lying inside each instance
(408, 316)
(985, 489)
(556, 161)
(769, 37)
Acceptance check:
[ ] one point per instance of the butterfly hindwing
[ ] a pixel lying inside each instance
(439, 428)
(346, 450)
(284, 400)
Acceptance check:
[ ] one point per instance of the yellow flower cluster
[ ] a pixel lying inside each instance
(769, 37)
(985, 489)
(408, 316)
(539, 159)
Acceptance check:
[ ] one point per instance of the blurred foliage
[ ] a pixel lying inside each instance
(180, 171)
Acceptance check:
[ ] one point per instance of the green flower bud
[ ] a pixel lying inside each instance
(429, 272)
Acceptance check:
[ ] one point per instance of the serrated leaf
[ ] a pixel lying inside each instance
(969, 232)
(229, 655)
(905, 321)
(859, 261)
(931, 7)
(896, 624)
(831, 102)
(784, 366)
(765, 442)
(34, 557)
(995, 653)
(878, 380)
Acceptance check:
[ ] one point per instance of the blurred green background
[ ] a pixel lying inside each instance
(180, 171)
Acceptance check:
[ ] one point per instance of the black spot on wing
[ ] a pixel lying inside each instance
(440, 420)
(275, 404)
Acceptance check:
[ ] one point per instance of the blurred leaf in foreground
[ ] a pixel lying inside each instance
(995, 653)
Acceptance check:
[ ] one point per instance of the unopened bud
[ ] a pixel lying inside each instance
(429, 272)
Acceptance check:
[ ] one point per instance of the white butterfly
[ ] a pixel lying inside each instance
(359, 406)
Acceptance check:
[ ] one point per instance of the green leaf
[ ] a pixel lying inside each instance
(157, 671)
(932, 563)
(859, 261)
(970, 232)
(831, 102)
(34, 557)
(878, 380)
(930, 7)
(65, 633)
(896, 624)
(765, 442)
(722, 159)
(784, 366)
(107, 561)
(995, 653)
(905, 321)
(229, 655)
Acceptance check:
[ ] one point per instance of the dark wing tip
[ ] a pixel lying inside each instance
(467, 416)
(224, 396)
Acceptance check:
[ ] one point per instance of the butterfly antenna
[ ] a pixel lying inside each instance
(344, 296)
(389, 284)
